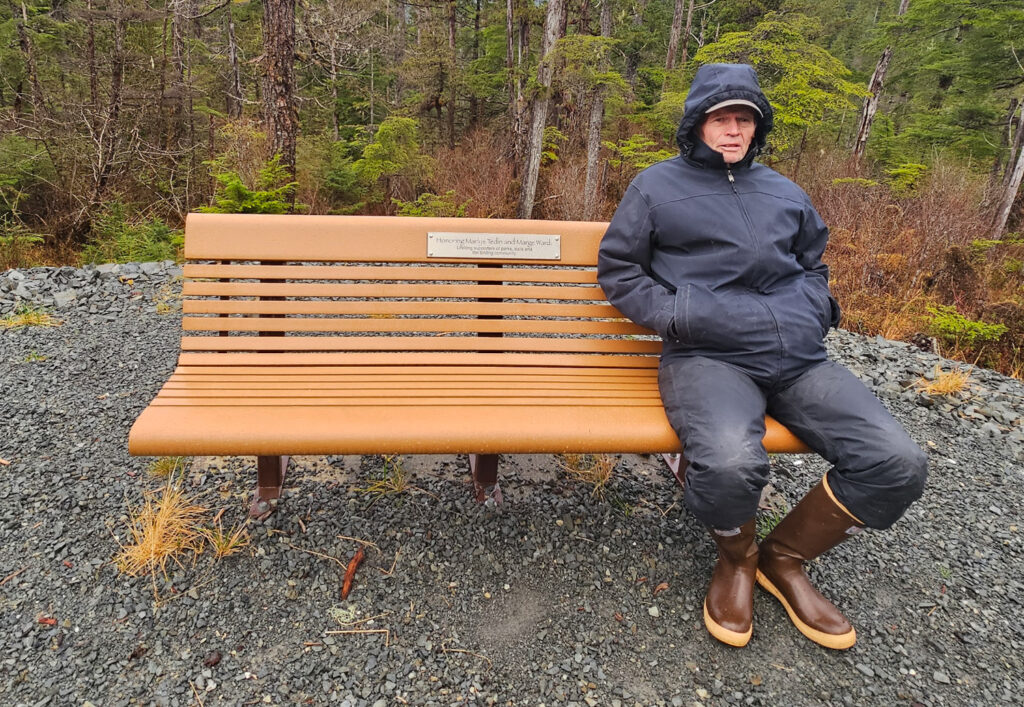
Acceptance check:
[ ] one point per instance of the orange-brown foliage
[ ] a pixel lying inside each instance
(479, 169)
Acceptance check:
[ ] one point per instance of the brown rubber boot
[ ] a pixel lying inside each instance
(729, 606)
(818, 523)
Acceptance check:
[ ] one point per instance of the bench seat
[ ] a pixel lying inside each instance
(409, 410)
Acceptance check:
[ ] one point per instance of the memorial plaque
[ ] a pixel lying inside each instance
(512, 246)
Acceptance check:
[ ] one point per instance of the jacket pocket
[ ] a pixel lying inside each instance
(822, 302)
(727, 320)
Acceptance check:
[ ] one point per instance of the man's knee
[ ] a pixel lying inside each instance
(908, 470)
(881, 494)
(723, 484)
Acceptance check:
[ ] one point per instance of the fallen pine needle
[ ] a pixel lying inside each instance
(475, 655)
(386, 632)
(196, 693)
(350, 572)
(11, 576)
(216, 518)
(367, 543)
(301, 525)
(388, 573)
(318, 554)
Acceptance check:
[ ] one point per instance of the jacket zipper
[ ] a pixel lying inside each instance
(757, 254)
(743, 211)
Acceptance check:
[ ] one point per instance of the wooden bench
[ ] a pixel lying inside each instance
(384, 335)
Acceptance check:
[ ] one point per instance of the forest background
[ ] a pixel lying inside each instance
(901, 118)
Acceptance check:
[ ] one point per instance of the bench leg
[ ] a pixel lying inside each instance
(677, 463)
(485, 477)
(269, 479)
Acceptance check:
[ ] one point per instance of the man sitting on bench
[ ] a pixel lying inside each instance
(722, 256)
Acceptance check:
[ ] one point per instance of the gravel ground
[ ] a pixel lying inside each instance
(558, 597)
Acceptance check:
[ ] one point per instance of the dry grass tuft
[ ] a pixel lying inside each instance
(165, 526)
(593, 469)
(394, 478)
(165, 467)
(944, 382)
(226, 543)
(28, 316)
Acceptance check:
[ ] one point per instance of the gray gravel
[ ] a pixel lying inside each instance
(551, 599)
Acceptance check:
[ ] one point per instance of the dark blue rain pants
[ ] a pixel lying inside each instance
(718, 412)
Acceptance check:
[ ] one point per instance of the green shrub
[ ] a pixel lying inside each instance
(952, 327)
(16, 243)
(552, 139)
(427, 204)
(855, 181)
(636, 152)
(272, 193)
(340, 177)
(115, 239)
(905, 179)
(24, 166)
(394, 156)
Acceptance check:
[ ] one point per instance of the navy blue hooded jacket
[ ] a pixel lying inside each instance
(723, 261)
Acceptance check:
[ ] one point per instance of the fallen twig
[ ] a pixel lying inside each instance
(11, 576)
(367, 543)
(350, 572)
(475, 655)
(4, 462)
(318, 554)
(386, 632)
(196, 693)
(391, 571)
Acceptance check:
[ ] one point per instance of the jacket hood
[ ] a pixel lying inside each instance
(715, 83)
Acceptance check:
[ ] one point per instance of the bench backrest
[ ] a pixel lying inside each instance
(364, 290)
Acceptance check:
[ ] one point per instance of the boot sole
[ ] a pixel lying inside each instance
(834, 641)
(732, 638)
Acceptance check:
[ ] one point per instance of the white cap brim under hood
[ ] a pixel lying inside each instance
(735, 102)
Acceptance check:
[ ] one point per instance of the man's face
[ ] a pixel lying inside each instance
(729, 131)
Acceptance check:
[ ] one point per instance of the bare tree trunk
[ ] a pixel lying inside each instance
(1011, 181)
(474, 103)
(686, 35)
(633, 58)
(591, 188)
(518, 99)
(111, 132)
(399, 49)
(453, 59)
(875, 89)
(281, 111)
(531, 171)
(234, 97)
(1018, 142)
(510, 67)
(673, 35)
(28, 52)
(90, 57)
